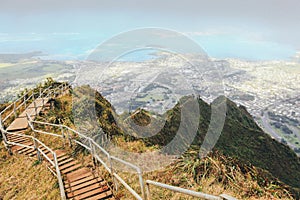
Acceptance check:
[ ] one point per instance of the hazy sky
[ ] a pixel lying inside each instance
(266, 29)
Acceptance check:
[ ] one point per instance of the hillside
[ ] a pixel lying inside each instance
(241, 139)
(245, 163)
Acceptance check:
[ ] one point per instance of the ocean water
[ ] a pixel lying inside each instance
(78, 47)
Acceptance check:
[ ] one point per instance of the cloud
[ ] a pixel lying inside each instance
(277, 17)
(8, 38)
(204, 33)
(65, 34)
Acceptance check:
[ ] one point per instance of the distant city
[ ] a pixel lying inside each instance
(268, 89)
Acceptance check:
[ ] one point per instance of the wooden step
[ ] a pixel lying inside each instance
(85, 184)
(16, 148)
(28, 143)
(78, 174)
(62, 158)
(30, 151)
(68, 165)
(80, 181)
(27, 151)
(45, 151)
(11, 136)
(24, 149)
(59, 157)
(71, 169)
(60, 153)
(49, 154)
(87, 191)
(17, 137)
(20, 140)
(103, 195)
(65, 161)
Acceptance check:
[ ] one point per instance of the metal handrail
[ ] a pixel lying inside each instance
(145, 195)
(23, 100)
(36, 142)
(110, 169)
(90, 148)
(144, 190)
(185, 191)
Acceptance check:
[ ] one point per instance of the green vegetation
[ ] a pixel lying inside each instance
(241, 139)
(32, 69)
(245, 163)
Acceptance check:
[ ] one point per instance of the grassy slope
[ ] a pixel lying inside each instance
(23, 178)
(241, 139)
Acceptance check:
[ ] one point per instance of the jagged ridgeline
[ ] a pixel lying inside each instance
(87, 105)
(241, 137)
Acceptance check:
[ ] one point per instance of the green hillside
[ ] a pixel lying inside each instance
(241, 139)
(244, 154)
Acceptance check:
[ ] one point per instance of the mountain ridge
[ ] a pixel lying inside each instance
(241, 138)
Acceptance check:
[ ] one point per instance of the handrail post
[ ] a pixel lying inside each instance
(60, 182)
(63, 134)
(112, 173)
(148, 191)
(37, 149)
(30, 122)
(7, 146)
(1, 124)
(40, 92)
(35, 108)
(62, 90)
(25, 102)
(15, 111)
(92, 152)
(140, 174)
(69, 138)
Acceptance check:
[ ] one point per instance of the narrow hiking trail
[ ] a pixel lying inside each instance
(79, 182)
(76, 179)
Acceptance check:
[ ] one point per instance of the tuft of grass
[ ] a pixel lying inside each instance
(36, 162)
(136, 146)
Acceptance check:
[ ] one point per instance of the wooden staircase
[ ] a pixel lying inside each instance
(21, 122)
(79, 182)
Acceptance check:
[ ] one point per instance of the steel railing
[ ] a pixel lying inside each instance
(47, 93)
(185, 191)
(92, 147)
(37, 144)
(67, 133)
(28, 97)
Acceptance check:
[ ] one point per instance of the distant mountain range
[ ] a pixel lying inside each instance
(17, 57)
